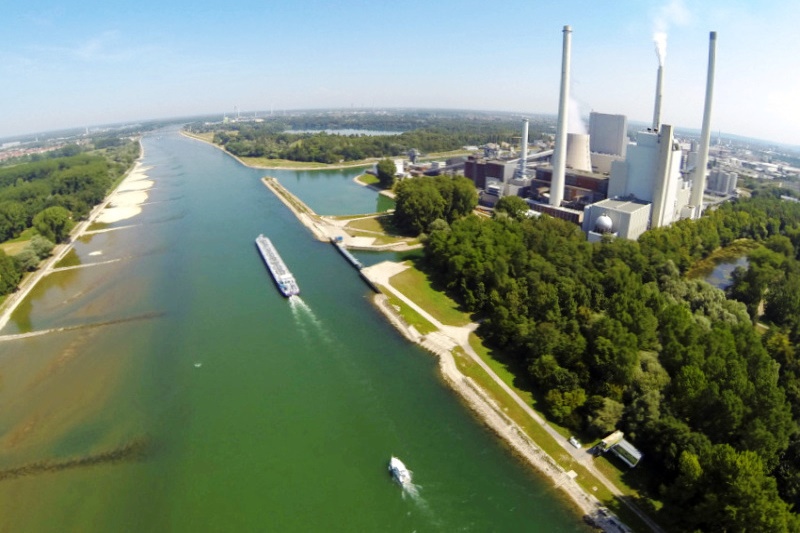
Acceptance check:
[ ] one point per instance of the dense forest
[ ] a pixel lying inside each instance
(274, 138)
(49, 192)
(613, 336)
(421, 202)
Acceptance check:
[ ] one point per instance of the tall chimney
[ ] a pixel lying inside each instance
(560, 151)
(659, 90)
(699, 182)
(524, 151)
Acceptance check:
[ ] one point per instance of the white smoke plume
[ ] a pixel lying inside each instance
(574, 121)
(671, 13)
(660, 40)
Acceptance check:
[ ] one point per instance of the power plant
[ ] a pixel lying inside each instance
(602, 180)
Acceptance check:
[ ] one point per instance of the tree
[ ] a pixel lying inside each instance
(41, 246)
(27, 259)
(464, 199)
(10, 273)
(53, 223)
(386, 172)
(514, 206)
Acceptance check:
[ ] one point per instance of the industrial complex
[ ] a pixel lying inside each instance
(605, 181)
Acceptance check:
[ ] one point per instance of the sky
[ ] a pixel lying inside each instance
(70, 63)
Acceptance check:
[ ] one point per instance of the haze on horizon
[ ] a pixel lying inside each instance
(90, 63)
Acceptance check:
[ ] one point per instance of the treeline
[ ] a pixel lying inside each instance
(614, 337)
(269, 140)
(50, 194)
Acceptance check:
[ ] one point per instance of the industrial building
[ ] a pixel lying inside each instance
(602, 180)
(608, 140)
(721, 182)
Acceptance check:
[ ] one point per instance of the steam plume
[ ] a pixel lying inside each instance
(660, 40)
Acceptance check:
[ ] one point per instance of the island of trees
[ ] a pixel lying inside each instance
(42, 196)
(613, 335)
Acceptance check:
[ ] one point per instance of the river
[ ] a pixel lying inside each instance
(187, 395)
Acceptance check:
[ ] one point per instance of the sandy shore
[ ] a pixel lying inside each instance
(126, 201)
(122, 203)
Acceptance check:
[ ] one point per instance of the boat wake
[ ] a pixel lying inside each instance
(306, 319)
(412, 491)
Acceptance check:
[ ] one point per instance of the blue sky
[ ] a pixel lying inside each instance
(79, 63)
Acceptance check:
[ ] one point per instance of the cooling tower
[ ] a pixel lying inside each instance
(578, 157)
(699, 181)
(560, 151)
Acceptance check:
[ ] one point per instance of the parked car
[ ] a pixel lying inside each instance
(575, 442)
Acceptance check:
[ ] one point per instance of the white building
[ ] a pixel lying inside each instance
(608, 140)
(651, 172)
(616, 217)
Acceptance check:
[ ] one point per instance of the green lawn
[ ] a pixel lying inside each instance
(368, 179)
(409, 315)
(417, 286)
(13, 248)
(368, 224)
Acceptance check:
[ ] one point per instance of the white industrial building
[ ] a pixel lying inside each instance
(608, 140)
(616, 217)
(652, 172)
(646, 188)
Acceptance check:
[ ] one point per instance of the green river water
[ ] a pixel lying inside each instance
(187, 395)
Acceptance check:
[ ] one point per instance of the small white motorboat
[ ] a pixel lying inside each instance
(399, 472)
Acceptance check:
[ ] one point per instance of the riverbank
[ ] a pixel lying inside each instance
(123, 202)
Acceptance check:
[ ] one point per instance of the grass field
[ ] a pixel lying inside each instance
(409, 315)
(417, 286)
(368, 179)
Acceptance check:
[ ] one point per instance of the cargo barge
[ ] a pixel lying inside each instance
(283, 278)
